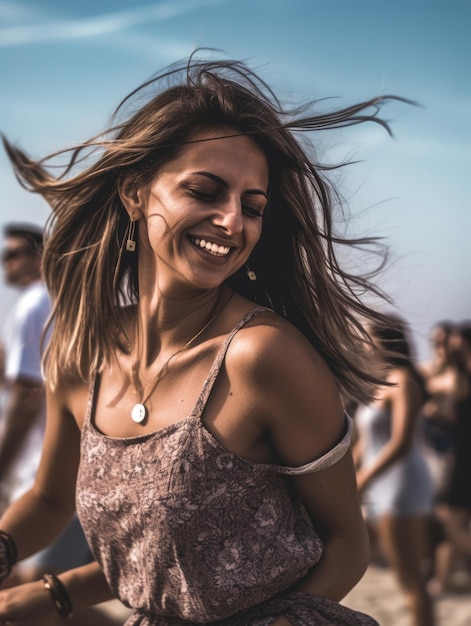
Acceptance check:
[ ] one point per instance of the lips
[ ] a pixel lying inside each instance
(210, 246)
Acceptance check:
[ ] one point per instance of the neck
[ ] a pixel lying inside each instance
(167, 326)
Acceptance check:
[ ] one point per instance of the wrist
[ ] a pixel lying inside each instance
(8, 555)
(86, 585)
(59, 595)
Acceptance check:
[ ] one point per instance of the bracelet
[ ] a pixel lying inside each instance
(59, 595)
(8, 555)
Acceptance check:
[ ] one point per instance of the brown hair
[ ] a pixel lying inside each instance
(88, 272)
(393, 340)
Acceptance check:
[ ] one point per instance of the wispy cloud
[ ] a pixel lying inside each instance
(63, 30)
(13, 12)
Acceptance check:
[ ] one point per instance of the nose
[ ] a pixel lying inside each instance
(228, 216)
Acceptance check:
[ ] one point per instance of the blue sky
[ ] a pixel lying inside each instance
(65, 65)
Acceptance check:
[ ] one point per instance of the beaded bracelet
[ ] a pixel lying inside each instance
(59, 595)
(8, 555)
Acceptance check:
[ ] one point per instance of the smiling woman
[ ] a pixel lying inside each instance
(200, 226)
(204, 333)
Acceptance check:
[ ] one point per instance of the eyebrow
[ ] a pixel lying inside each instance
(221, 181)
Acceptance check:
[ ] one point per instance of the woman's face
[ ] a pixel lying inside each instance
(440, 343)
(203, 210)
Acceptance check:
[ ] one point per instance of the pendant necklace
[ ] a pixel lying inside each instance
(139, 411)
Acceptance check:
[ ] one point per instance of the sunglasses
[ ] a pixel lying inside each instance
(16, 253)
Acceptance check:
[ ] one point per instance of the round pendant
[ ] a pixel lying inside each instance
(138, 413)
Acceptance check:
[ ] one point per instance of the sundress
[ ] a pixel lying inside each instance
(188, 533)
(403, 488)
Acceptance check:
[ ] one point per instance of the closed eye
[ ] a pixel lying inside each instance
(202, 194)
(207, 195)
(252, 211)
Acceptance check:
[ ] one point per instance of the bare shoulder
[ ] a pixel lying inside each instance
(402, 376)
(69, 400)
(402, 383)
(271, 346)
(294, 393)
(398, 376)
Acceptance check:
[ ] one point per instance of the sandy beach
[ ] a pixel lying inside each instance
(378, 595)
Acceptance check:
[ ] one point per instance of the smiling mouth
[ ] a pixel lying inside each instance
(210, 247)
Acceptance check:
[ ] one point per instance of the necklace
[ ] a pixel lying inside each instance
(139, 411)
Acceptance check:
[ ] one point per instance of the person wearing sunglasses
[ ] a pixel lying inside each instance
(22, 412)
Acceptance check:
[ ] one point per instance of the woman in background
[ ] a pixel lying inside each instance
(439, 409)
(453, 508)
(393, 478)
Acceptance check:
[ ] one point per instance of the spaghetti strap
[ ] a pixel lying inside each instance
(208, 383)
(330, 458)
(91, 399)
(216, 366)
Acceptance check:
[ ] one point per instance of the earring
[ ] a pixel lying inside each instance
(251, 275)
(130, 243)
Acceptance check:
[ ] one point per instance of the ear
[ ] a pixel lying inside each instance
(132, 196)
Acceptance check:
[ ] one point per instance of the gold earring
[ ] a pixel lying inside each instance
(251, 275)
(130, 242)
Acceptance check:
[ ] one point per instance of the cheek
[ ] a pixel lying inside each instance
(167, 213)
(151, 235)
(254, 231)
(255, 240)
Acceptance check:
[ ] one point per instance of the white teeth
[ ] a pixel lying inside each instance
(213, 248)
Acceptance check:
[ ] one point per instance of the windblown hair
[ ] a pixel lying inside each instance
(89, 273)
(393, 341)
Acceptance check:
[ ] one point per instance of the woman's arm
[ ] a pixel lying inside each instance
(405, 400)
(303, 416)
(39, 516)
(32, 605)
(331, 499)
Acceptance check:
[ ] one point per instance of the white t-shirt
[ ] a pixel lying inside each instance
(21, 336)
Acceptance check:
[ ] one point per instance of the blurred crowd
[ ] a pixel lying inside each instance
(447, 446)
(413, 456)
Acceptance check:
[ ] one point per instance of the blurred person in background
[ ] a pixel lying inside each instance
(22, 419)
(393, 478)
(439, 340)
(453, 508)
(23, 413)
(439, 409)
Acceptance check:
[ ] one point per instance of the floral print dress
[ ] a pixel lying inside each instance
(188, 533)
